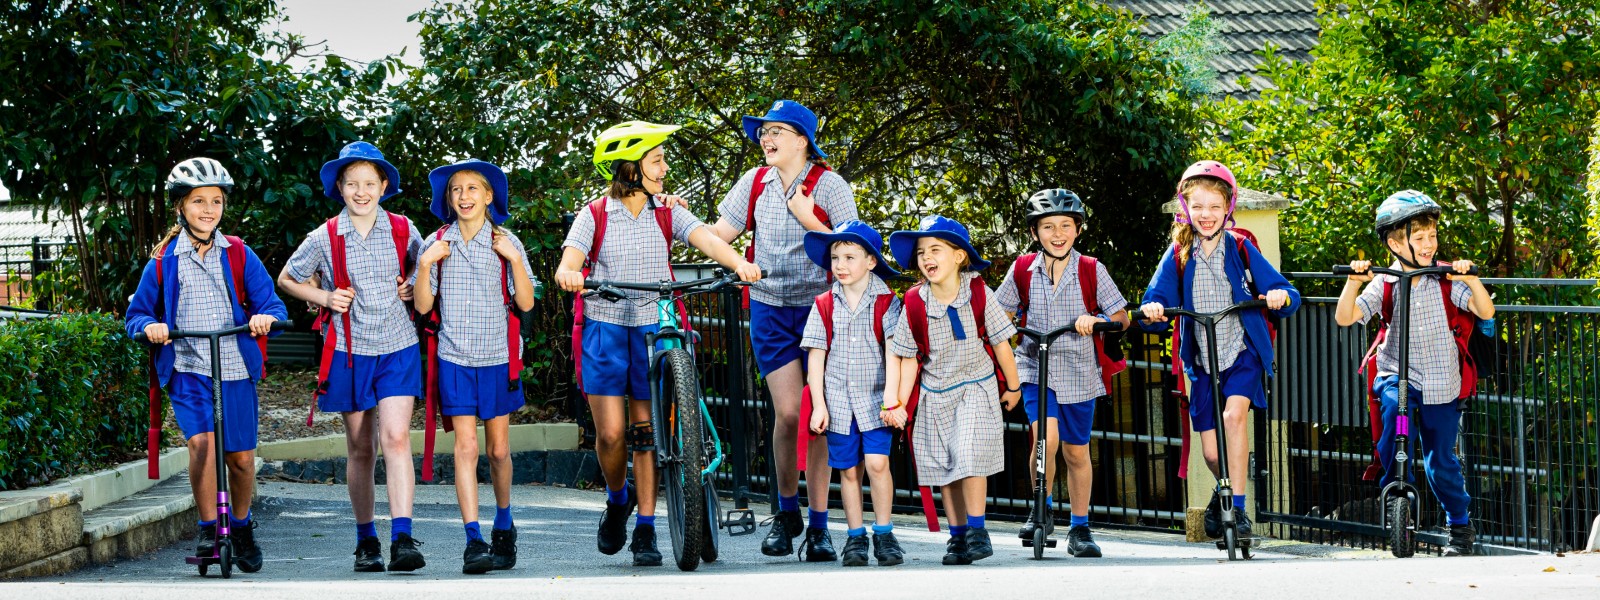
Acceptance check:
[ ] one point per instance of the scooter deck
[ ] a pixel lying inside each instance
(202, 560)
(1048, 543)
(1243, 543)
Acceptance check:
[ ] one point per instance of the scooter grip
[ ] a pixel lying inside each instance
(1107, 327)
(1344, 270)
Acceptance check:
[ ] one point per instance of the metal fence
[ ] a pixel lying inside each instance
(23, 262)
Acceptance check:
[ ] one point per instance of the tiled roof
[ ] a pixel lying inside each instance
(1244, 27)
(19, 224)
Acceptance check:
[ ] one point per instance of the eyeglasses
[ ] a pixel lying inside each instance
(774, 130)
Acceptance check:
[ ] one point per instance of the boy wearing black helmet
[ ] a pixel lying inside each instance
(1063, 287)
(1407, 222)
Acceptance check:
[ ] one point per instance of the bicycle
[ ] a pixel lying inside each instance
(1042, 517)
(1400, 514)
(223, 552)
(688, 449)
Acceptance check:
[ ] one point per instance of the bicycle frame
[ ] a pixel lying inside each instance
(670, 337)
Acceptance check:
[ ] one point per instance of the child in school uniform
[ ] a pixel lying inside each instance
(628, 235)
(1054, 297)
(961, 344)
(1210, 268)
(845, 375)
(472, 267)
(1408, 224)
(370, 367)
(188, 285)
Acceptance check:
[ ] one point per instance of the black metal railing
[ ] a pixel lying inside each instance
(23, 263)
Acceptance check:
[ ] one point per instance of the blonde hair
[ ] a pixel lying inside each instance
(1183, 233)
(1421, 222)
(172, 232)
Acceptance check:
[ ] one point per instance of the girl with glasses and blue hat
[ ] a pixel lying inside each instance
(370, 369)
(792, 194)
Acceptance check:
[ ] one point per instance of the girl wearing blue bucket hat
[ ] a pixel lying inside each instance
(628, 235)
(795, 192)
(478, 283)
(370, 370)
(961, 371)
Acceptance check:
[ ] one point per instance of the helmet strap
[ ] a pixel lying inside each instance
(196, 239)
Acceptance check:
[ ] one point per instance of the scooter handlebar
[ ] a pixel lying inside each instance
(174, 335)
(1346, 271)
(1246, 305)
(1036, 335)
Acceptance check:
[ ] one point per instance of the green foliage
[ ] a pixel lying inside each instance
(1191, 48)
(1486, 108)
(72, 396)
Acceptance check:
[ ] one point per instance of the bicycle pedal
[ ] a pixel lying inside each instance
(740, 521)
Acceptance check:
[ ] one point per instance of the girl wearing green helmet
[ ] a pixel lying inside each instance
(619, 237)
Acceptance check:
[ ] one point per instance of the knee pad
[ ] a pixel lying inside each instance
(641, 437)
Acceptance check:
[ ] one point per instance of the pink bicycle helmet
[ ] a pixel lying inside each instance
(1207, 168)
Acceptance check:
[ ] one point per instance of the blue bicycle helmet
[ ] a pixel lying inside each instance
(1403, 206)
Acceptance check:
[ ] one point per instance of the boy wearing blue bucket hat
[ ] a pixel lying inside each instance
(847, 324)
(795, 192)
(370, 369)
(961, 373)
(478, 284)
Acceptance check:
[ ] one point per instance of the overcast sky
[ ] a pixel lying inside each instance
(362, 30)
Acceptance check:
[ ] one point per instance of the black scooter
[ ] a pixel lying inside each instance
(223, 548)
(1043, 519)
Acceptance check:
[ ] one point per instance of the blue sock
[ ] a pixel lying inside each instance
(399, 525)
(819, 519)
(207, 523)
(975, 522)
(1077, 520)
(473, 533)
(237, 523)
(366, 530)
(1049, 502)
(882, 529)
(617, 497)
(958, 530)
(857, 532)
(1238, 501)
(788, 503)
(645, 520)
(502, 518)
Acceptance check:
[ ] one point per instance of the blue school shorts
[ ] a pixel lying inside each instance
(846, 450)
(616, 359)
(372, 378)
(192, 405)
(1244, 378)
(1073, 421)
(484, 392)
(775, 333)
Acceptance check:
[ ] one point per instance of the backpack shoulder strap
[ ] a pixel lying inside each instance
(236, 260)
(1386, 309)
(917, 317)
(757, 186)
(980, 302)
(1089, 282)
(809, 187)
(824, 303)
(1022, 277)
(400, 230)
(597, 210)
(880, 309)
(664, 220)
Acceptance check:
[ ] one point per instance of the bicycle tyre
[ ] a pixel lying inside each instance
(684, 435)
(708, 547)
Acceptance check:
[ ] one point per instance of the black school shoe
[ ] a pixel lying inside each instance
(369, 555)
(855, 551)
(1080, 542)
(246, 553)
(644, 549)
(613, 533)
(887, 549)
(1213, 518)
(786, 525)
(1462, 540)
(1028, 527)
(1242, 519)
(818, 546)
(205, 542)
(978, 546)
(503, 547)
(476, 560)
(955, 551)
(403, 554)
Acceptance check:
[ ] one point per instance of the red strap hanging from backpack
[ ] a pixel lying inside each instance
(759, 185)
(400, 232)
(597, 210)
(824, 302)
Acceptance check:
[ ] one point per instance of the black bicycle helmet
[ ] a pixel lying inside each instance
(1057, 201)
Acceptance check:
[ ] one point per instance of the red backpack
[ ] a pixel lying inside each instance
(1461, 322)
(400, 231)
(236, 259)
(1089, 282)
(824, 302)
(757, 186)
(430, 341)
(597, 210)
(917, 318)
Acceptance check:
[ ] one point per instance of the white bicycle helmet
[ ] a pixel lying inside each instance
(198, 172)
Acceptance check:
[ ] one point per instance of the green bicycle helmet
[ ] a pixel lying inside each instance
(627, 141)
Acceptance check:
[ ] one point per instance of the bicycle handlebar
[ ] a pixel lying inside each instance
(1036, 335)
(611, 290)
(174, 335)
(1345, 270)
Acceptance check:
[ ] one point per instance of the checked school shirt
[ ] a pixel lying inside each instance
(205, 303)
(472, 311)
(633, 251)
(1213, 293)
(1074, 369)
(1435, 367)
(854, 376)
(792, 279)
(381, 320)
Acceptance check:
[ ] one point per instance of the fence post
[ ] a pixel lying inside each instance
(39, 264)
(738, 383)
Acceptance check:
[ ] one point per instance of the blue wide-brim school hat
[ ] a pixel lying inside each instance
(904, 243)
(439, 179)
(791, 112)
(818, 243)
(352, 152)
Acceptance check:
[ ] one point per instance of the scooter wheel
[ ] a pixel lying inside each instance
(1230, 538)
(1402, 538)
(203, 567)
(1038, 543)
(225, 555)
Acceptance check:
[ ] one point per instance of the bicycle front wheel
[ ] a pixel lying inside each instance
(684, 436)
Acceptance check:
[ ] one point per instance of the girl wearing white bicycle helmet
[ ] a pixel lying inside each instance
(627, 235)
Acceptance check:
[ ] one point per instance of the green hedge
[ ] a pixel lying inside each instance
(72, 397)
